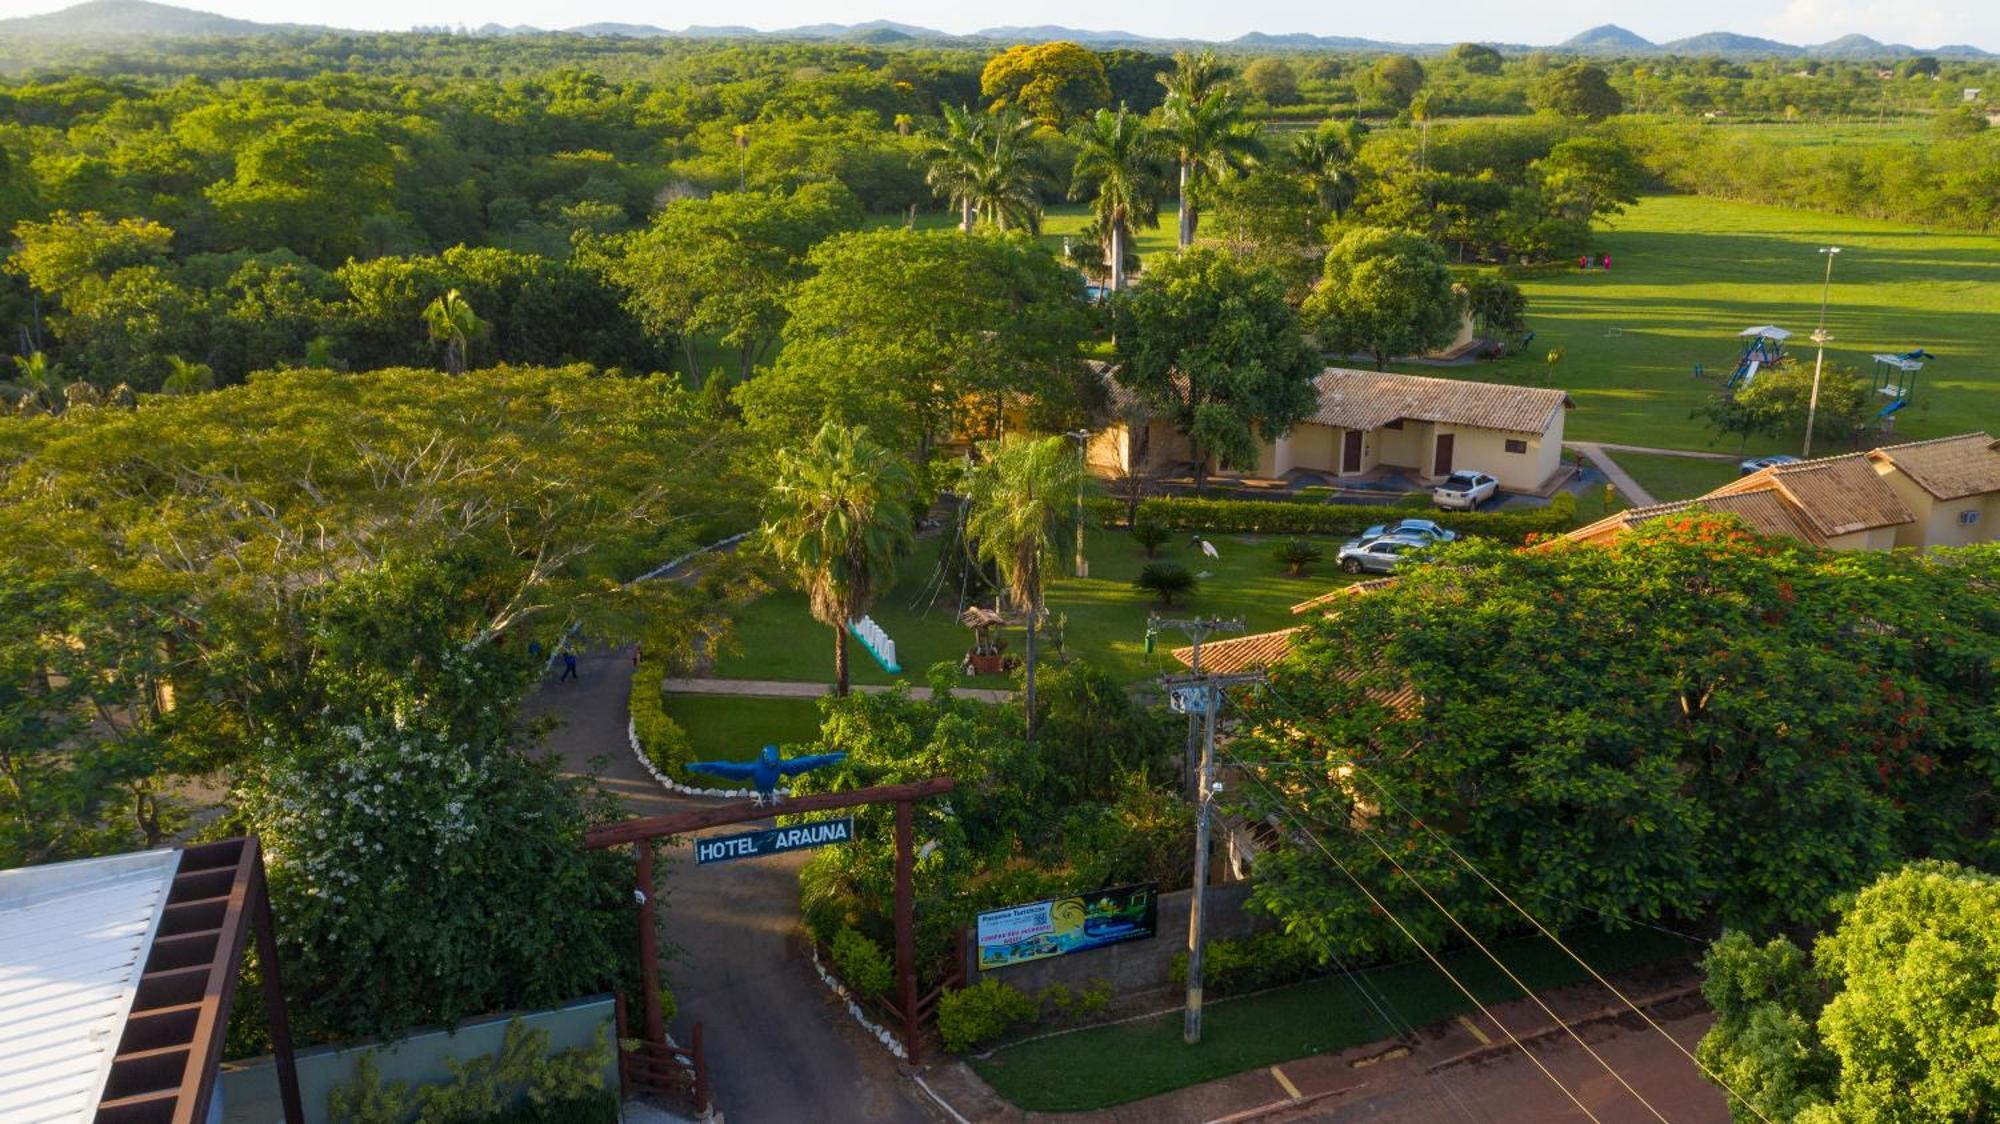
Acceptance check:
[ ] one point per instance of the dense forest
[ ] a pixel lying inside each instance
(241, 204)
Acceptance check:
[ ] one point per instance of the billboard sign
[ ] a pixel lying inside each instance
(1060, 926)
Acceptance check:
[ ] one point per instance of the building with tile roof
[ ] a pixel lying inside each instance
(1366, 422)
(1951, 486)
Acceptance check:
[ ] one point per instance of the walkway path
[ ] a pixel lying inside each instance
(792, 689)
(1620, 479)
(779, 1048)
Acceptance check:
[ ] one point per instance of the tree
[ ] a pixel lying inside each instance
(1210, 343)
(1579, 90)
(952, 159)
(38, 385)
(185, 377)
(1778, 400)
(450, 321)
(1476, 58)
(1204, 127)
(1385, 293)
(920, 336)
(1497, 306)
(1891, 1017)
(1118, 164)
(1057, 83)
(729, 265)
(1166, 581)
(1586, 178)
(838, 519)
(1022, 509)
(310, 185)
(1273, 81)
(1325, 158)
(1396, 79)
(1004, 185)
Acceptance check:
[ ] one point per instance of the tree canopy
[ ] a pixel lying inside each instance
(1386, 293)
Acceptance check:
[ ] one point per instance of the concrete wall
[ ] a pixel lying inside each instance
(1139, 966)
(248, 1091)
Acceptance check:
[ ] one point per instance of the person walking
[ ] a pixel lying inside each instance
(569, 663)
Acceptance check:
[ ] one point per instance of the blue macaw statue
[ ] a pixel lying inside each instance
(764, 772)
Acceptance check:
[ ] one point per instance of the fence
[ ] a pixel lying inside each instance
(248, 1091)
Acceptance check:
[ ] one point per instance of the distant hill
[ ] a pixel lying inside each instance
(1730, 43)
(1607, 38)
(120, 20)
(134, 19)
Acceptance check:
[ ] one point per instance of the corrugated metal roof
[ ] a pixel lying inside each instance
(1372, 399)
(1949, 468)
(74, 938)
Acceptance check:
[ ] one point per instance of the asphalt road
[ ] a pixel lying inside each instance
(779, 1048)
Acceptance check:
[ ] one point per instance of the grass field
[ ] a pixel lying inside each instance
(1690, 273)
(1676, 478)
(1106, 616)
(1110, 1065)
(731, 728)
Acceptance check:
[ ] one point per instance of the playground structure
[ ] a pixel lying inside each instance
(1895, 378)
(1763, 346)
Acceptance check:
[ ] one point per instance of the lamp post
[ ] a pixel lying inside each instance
(1082, 438)
(1819, 337)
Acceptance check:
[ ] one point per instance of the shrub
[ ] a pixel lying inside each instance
(1268, 959)
(1305, 517)
(1166, 581)
(1297, 554)
(1064, 1004)
(970, 1017)
(661, 738)
(862, 963)
(1151, 535)
(524, 1083)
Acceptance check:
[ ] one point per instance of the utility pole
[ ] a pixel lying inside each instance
(1197, 630)
(1208, 690)
(1082, 437)
(1819, 337)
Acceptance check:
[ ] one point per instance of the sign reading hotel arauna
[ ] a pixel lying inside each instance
(772, 841)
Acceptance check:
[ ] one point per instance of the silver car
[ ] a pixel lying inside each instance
(1465, 490)
(1422, 529)
(1378, 555)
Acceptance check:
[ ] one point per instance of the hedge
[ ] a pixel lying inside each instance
(1297, 517)
(661, 738)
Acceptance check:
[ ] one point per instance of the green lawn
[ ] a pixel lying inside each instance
(1688, 274)
(1065, 220)
(1106, 616)
(1103, 1066)
(732, 728)
(1676, 478)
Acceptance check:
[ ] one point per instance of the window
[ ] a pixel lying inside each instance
(1968, 518)
(1514, 446)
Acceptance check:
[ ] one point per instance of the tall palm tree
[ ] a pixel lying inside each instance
(452, 323)
(1005, 179)
(186, 377)
(1325, 158)
(839, 517)
(1022, 508)
(1118, 159)
(953, 159)
(1202, 120)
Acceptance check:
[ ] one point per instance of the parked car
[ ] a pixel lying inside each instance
(1465, 490)
(1758, 464)
(1377, 555)
(1412, 529)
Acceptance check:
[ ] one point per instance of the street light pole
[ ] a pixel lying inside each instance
(1082, 437)
(1819, 360)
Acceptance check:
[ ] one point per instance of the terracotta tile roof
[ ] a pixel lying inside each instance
(1949, 468)
(1240, 653)
(1332, 595)
(1836, 495)
(1765, 510)
(1371, 399)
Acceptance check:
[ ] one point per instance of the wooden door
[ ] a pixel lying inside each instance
(1350, 451)
(1442, 467)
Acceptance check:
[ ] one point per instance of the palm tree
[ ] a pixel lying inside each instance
(186, 377)
(839, 517)
(1118, 157)
(1325, 158)
(953, 159)
(1203, 122)
(38, 385)
(1005, 180)
(452, 323)
(1022, 508)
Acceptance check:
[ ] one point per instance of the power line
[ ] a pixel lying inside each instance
(1427, 953)
(1544, 930)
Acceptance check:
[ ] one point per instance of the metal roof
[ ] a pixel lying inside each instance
(74, 938)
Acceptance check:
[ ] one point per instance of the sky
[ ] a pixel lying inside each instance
(1923, 23)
